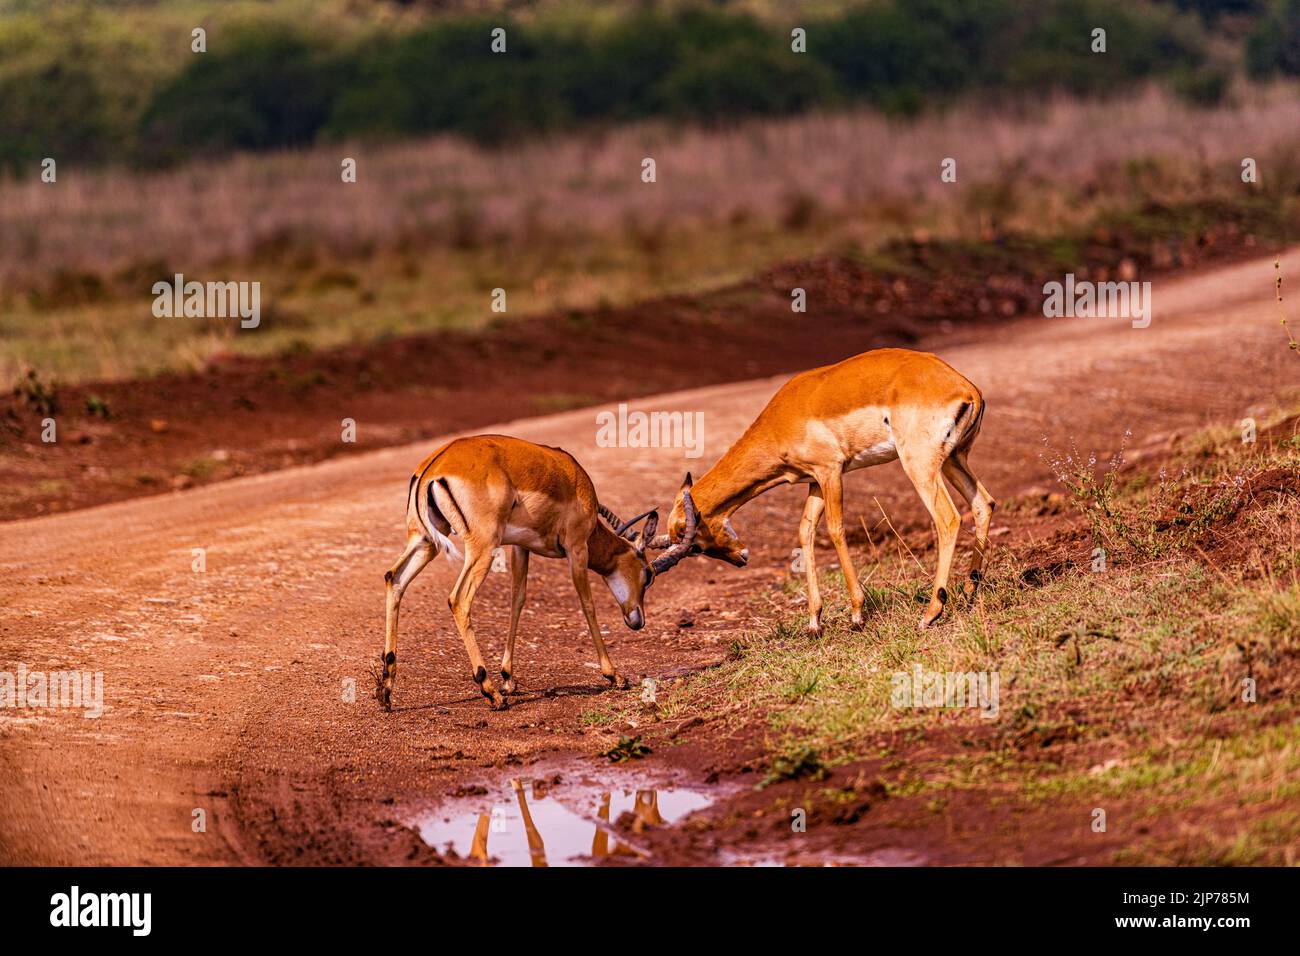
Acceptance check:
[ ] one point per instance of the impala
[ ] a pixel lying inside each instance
(866, 410)
(492, 490)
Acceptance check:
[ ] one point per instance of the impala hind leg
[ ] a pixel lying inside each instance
(419, 552)
(518, 587)
(478, 560)
(812, 514)
(578, 568)
(923, 468)
(833, 490)
(981, 505)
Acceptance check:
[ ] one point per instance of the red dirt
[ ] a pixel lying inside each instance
(225, 690)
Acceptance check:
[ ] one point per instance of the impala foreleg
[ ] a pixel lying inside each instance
(478, 560)
(518, 588)
(812, 514)
(578, 567)
(833, 490)
(419, 552)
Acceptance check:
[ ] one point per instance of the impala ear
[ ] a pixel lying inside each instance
(651, 526)
(623, 530)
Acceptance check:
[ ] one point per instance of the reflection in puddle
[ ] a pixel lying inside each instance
(536, 824)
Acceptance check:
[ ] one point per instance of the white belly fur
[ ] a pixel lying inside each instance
(530, 540)
(877, 454)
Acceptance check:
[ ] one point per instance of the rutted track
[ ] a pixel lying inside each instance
(224, 688)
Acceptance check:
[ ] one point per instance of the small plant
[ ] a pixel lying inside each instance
(802, 686)
(97, 407)
(627, 748)
(43, 398)
(802, 763)
(1277, 267)
(1171, 514)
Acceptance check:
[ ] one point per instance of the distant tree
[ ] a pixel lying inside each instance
(1274, 45)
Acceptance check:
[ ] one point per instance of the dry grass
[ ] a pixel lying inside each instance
(431, 227)
(443, 191)
(1124, 684)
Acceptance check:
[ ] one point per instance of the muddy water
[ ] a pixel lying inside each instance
(556, 820)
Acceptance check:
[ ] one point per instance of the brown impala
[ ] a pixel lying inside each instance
(867, 410)
(493, 490)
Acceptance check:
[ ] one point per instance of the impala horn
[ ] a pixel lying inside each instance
(678, 551)
(614, 520)
(663, 541)
(623, 529)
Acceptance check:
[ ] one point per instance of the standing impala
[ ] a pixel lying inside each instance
(866, 410)
(493, 490)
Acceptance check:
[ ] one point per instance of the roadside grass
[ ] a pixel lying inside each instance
(312, 304)
(1130, 683)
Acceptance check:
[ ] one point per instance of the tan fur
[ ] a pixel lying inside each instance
(493, 490)
(866, 410)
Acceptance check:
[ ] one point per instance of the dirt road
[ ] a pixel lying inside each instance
(226, 689)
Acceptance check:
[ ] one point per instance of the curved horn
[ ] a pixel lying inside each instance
(614, 520)
(678, 551)
(623, 529)
(660, 542)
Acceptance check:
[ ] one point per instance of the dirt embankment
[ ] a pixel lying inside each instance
(242, 416)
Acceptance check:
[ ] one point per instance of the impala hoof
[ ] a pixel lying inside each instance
(617, 681)
(385, 697)
(814, 629)
(935, 610)
(498, 702)
(857, 624)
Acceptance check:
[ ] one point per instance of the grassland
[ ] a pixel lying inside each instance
(431, 227)
(1124, 684)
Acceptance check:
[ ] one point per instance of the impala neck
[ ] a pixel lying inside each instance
(603, 548)
(744, 472)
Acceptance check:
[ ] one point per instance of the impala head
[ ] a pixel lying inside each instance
(712, 535)
(631, 571)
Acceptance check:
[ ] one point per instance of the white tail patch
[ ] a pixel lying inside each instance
(442, 543)
(445, 546)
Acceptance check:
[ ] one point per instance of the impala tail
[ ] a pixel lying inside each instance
(423, 511)
(966, 423)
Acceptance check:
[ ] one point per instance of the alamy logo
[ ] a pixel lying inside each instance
(209, 300)
(1098, 300)
(72, 689)
(922, 688)
(103, 909)
(636, 429)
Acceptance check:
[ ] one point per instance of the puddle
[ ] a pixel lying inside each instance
(559, 816)
(552, 822)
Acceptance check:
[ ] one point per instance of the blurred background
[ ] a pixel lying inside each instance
(522, 171)
(174, 160)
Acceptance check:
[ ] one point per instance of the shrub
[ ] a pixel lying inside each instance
(1274, 45)
(260, 88)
